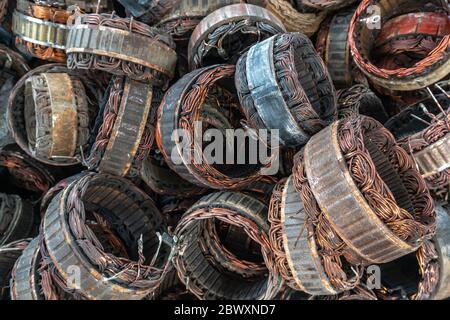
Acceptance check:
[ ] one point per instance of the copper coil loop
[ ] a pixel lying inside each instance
(9, 253)
(430, 149)
(138, 51)
(182, 108)
(50, 113)
(332, 45)
(186, 15)
(424, 274)
(3, 9)
(223, 35)
(388, 199)
(158, 176)
(366, 27)
(283, 84)
(149, 11)
(41, 30)
(197, 267)
(359, 99)
(95, 214)
(296, 18)
(125, 133)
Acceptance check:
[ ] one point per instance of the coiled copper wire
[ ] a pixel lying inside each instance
(438, 128)
(233, 218)
(190, 112)
(114, 65)
(46, 13)
(434, 59)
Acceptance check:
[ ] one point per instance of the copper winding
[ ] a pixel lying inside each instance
(430, 69)
(295, 18)
(424, 30)
(46, 13)
(409, 225)
(335, 256)
(26, 173)
(109, 255)
(438, 179)
(188, 112)
(224, 257)
(113, 63)
(232, 217)
(276, 234)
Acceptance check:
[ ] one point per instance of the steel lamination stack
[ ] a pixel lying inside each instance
(41, 30)
(141, 169)
(49, 115)
(227, 32)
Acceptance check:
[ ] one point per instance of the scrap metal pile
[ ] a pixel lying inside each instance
(105, 192)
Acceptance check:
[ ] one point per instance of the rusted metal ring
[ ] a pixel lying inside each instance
(56, 115)
(16, 115)
(162, 180)
(198, 273)
(8, 257)
(430, 149)
(282, 84)
(359, 99)
(296, 248)
(40, 30)
(331, 175)
(116, 204)
(16, 218)
(123, 138)
(423, 73)
(137, 51)
(295, 20)
(335, 49)
(252, 23)
(181, 109)
(25, 277)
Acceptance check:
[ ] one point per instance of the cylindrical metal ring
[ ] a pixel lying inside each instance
(359, 222)
(362, 37)
(221, 27)
(282, 84)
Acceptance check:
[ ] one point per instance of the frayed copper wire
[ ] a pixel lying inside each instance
(233, 218)
(115, 65)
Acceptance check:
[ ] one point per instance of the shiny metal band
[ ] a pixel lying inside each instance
(39, 31)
